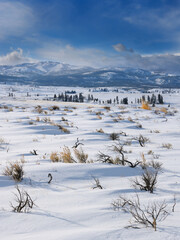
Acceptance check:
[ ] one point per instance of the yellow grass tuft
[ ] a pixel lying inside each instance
(81, 155)
(66, 156)
(54, 157)
(145, 106)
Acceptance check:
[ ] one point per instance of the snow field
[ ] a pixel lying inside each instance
(69, 207)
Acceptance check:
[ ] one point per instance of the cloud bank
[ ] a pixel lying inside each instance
(169, 63)
(14, 58)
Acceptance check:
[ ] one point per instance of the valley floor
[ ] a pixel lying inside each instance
(70, 208)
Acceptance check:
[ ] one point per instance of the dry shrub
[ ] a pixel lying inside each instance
(139, 125)
(22, 159)
(147, 215)
(115, 120)
(127, 143)
(35, 140)
(150, 152)
(97, 183)
(68, 110)
(145, 106)
(143, 162)
(164, 110)
(142, 140)
(14, 170)
(63, 129)
(167, 145)
(46, 119)
(105, 158)
(5, 107)
(121, 107)
(2, 141)
(156, 131)
(155, 164)
(120, 118)
(100, 130)
(63, 119)
(130, 119)
(52, 108)
(38, 109)
(81, 155)
(10, 109)
(99, 113)
(114, 136)
(147, 181)
(37, 119)
(66, 156)
(107, 108)
(23, 201)
(99, 117)
(54, 157)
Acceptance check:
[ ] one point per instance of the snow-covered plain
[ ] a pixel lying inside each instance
(69, 207)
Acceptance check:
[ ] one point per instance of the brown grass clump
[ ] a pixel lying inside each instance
(54, 157)
(46, 119)
(10, 109)
(99, 113)
(143, 162)
(53, 108)
(63, 129)
(164, 110)
(167, 145)
(80, 155)
(115, 120)
(14, 170)
(68, 110)
(100, 130)
(63, 119)
(66, 156)
(145, 106)
(37, 119)
(130, 119)
(38, 109)
(99, 117)
(107, 108)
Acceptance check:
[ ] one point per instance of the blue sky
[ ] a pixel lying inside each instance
(132, 33)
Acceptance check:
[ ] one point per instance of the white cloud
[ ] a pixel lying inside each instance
(123, 57)
(15, 19)
(14, 58)
(57, 51)
(169, 63)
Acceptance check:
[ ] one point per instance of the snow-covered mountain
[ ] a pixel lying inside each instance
(55, 73)
(40, 68)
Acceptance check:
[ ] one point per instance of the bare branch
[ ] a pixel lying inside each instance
(77, 143)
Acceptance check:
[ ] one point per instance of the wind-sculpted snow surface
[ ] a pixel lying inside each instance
(33, 132)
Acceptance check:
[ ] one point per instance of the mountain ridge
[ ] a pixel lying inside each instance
(56, 73)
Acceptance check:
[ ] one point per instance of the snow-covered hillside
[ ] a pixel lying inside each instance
(70, 207)
(55, 73)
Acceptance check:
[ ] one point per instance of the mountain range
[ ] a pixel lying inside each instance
(60, 74)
